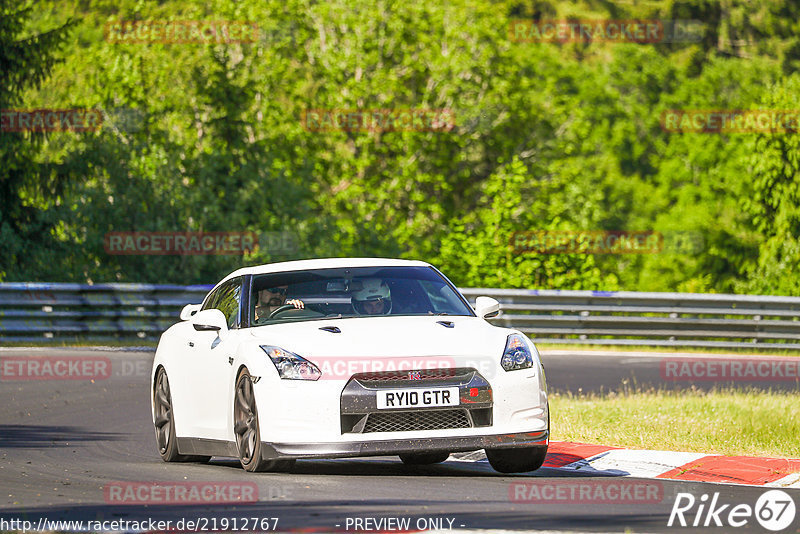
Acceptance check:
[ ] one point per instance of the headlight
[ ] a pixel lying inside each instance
(516, 355)
(290, 366)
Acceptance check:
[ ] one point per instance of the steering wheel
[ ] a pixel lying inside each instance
(280, 309)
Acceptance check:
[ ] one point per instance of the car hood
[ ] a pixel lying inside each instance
(387, 337)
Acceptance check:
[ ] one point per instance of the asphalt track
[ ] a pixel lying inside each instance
(63, 441)
(597, 371)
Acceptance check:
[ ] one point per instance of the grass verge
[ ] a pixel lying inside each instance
(544, 347)
(732, 422)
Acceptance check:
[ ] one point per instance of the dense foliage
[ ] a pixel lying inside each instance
(548, 136)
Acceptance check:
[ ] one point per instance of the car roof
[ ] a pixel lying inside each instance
(324, 263)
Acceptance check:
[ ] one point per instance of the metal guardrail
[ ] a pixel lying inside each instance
(655, 319)
(102, 312)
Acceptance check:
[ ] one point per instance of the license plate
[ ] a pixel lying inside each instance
(417, 398)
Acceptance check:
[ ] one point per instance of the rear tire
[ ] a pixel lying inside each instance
(247, 431)
(517, 460)
(424, 458)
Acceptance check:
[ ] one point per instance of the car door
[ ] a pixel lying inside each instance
(211, 358)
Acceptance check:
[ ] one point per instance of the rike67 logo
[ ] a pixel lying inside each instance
(774, 510)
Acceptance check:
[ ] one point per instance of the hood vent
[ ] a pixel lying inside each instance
(331, 329)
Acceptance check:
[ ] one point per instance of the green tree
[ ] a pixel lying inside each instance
(479, 250)
(27, 186)
(548, 136)
(774, 198)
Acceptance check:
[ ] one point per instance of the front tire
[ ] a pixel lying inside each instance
(164, 423)
(424, 458)
(517, 460)
(247, 431)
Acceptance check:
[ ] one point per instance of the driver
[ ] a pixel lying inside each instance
(374, 298)
(271, 299)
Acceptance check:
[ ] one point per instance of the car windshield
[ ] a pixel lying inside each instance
(352, 292)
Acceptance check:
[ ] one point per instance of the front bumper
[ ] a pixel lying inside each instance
(272, 451)
(321, 418)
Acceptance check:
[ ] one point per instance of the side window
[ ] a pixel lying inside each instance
(229, 299)
(226, 299)
(211, 301)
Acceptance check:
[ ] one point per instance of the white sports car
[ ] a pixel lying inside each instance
(346, 357)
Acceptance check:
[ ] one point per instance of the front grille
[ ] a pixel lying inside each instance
(418, 420)
(405, 376)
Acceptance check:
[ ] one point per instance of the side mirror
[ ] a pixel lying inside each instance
(210, 320)
(189, 310)
(486, 307)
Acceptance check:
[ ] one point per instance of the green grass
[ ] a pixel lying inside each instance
(730, 422)
(646, 348)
